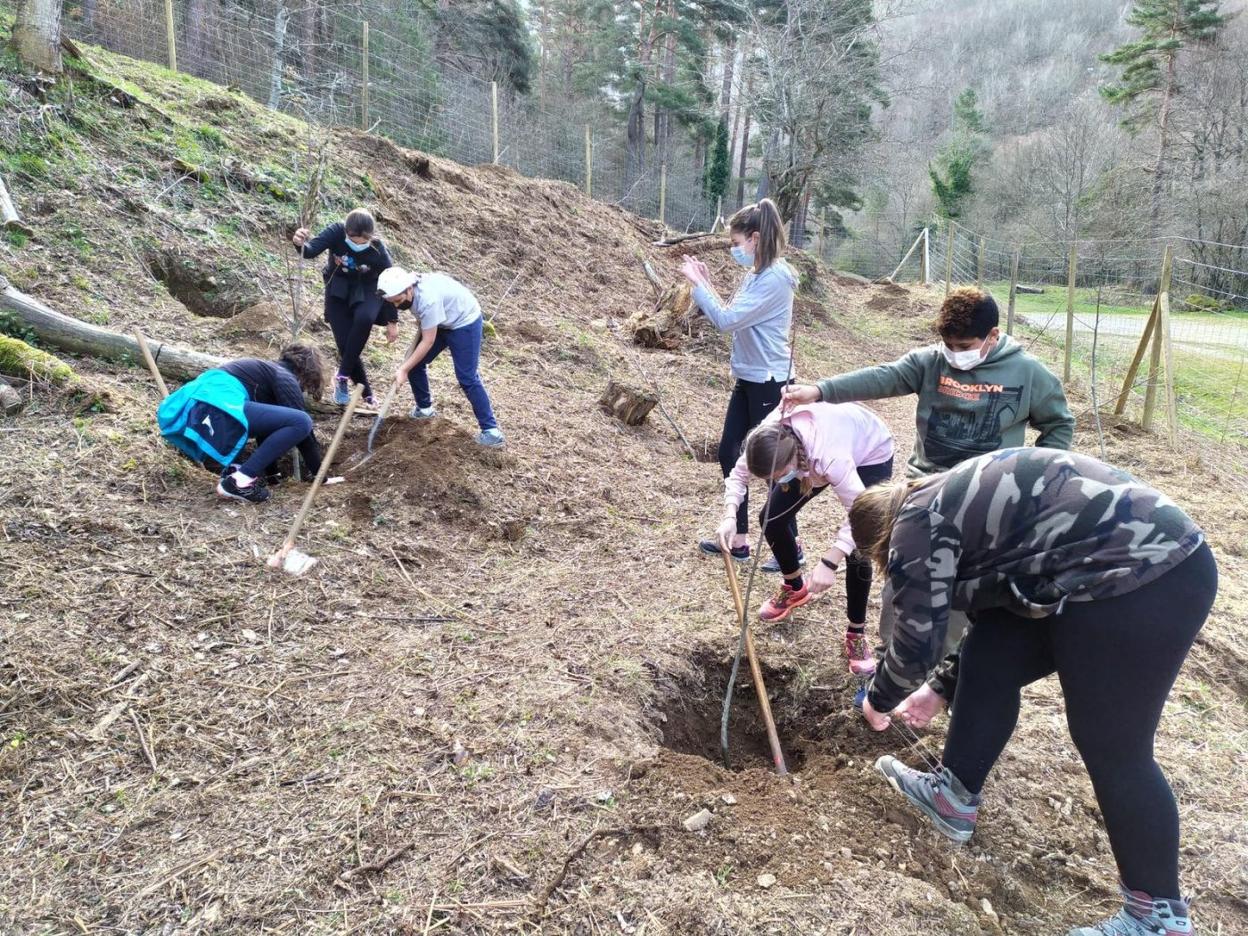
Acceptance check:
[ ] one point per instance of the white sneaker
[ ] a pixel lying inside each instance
(419, 412)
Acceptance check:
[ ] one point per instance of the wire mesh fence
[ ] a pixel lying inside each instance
(1155, 329)
(334, 68)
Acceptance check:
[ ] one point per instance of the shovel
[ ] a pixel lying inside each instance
(385, 406)
(291, 560)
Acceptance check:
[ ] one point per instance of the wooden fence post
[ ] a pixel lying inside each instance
(719, 213)
(1070, 309)
(494, 116)
(949, 257)
(663, 193)
(170, 37)
(364, 77)
(979, 266)
(1163, 338)
(589, 162)
(1161, 343)
(925, 258)
(1009, 314)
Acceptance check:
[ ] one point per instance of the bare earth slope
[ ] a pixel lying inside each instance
(505, 672)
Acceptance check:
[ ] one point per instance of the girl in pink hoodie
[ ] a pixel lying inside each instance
(802, 453)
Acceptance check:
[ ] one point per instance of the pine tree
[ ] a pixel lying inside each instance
(953, 175)
(718, 171)
(1149, 79)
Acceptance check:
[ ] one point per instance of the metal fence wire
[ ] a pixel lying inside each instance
(328, 65)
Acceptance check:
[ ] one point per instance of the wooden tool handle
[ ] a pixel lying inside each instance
(394, 386)
(756, 670)
(151, 362)
(325, 463)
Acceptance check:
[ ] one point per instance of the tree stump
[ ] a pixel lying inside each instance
(669, 323)
(627, 404)
(11, 402)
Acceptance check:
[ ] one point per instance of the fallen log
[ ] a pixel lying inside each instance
(1029, 290)
(682, 238)
(627, 404)
(69, 334)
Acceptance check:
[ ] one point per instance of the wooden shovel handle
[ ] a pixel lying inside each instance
(151, 362)
(325, 463)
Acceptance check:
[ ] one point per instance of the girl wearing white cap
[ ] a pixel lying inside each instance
(450, 319)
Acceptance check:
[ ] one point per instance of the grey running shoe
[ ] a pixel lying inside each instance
(1143, 916)
(940, 795)
(491, 438)
(342, 391)
(423, 412)
(773, 564)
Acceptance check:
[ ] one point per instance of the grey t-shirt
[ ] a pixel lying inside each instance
(444, 302)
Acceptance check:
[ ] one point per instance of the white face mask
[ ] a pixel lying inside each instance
(967, 360)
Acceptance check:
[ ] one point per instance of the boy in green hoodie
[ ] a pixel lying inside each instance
(978, 391)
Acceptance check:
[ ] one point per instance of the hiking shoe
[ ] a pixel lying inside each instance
(342, 392)
(254, 493)
(369, 400)
(860, 696)
(940, 795)
(1142, 916)
(711, 548)
(858, 653)
(773, 564)
(491, 438)
(785, 601)
(422, 412)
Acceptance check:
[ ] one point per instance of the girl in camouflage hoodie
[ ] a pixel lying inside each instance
(1066, 565)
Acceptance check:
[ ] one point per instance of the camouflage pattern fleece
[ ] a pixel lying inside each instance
(1026, 529)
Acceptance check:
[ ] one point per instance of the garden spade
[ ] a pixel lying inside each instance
(385, 405)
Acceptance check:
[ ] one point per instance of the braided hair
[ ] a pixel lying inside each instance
(776, 444)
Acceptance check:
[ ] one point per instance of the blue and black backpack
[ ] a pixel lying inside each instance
(204, 418)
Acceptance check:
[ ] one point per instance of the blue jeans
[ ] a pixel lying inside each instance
(465, 346)
(276, 429)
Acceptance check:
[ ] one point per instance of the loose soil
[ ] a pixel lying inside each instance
(505, 671)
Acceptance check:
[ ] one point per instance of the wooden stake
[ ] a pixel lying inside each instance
(663, 194)
(1009, 313)
(494, 116)
(1070, 309)
(589, 162)
(823, 224)
(925, 258)
(345, 421)
(364, 77)
(170, 37)
(913, 247)
(756, 671)
(949, 257)
(1163, 325)
(979, 267)
(151, 362)
(1129, 382)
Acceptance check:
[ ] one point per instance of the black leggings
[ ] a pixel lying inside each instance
(784, 501)
(747, 406)
(352, 325)
(1117, 660)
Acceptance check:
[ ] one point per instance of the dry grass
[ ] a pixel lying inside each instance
(464, 701)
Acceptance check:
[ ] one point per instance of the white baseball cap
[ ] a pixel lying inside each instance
(395, 280)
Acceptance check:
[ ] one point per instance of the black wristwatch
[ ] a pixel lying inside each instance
(831, 565)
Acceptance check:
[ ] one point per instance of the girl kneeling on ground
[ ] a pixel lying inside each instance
(450, 317)
(356, 258)
(276, 418)
(1071, 567)
(842, 446)
(758, 318)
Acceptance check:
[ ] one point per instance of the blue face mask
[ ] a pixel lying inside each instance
(358, 248)
(743, 258)
(785, 479)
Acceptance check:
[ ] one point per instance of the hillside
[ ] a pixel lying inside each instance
(492, 703)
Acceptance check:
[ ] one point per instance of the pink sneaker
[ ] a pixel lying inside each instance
(858, 653)
(785, 600)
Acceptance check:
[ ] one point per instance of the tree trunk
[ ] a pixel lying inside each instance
(37, 34)
(308, 40)
(279, 48)
(69, 334)
(1163, 142)
(635, 157)
(196, 61)
(544, 55)
(725, 91)
(745, 143)
(627, 404)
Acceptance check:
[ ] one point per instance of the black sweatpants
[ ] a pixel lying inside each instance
(1117, 660)
(352, 325)
(749, 404)
(783, 503)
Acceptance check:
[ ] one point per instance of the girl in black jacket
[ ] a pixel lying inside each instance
(352, 307)
(276, 417)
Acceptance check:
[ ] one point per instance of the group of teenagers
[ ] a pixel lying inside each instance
(265, 401)
(1002, 564)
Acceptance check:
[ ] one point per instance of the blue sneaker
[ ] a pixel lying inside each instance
(939, 795)
(1143, 916)
(423, 412)
(860, 696)
(342, 393)
(711, 548)
(491, 438)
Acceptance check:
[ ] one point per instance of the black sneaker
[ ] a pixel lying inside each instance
(773, 564)
(254, 493)
(712, 548)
